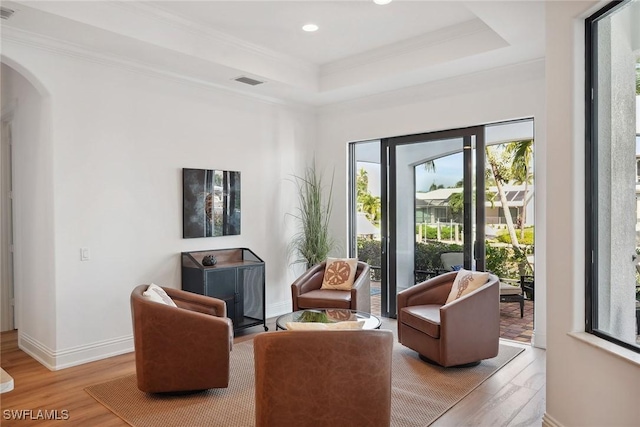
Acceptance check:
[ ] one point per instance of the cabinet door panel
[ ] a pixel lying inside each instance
(221, 284)
(251, 284)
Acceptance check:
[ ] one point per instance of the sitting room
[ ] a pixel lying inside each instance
(163, 142)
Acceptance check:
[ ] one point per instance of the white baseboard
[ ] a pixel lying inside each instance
(61, 359)
(539, 340)
(278, 309)
(35, 349)
(548, 421)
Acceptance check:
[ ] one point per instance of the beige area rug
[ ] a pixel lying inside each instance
(421, 392)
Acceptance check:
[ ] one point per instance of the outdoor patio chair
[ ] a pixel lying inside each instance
(511, 291)
(452, 261)
(528, 286)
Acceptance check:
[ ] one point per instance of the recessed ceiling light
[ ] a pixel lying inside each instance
(381, 2)
(310, 28)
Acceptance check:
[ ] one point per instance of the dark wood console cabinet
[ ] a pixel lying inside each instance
(238, 278)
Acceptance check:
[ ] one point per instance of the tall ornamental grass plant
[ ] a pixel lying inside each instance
(312, 243)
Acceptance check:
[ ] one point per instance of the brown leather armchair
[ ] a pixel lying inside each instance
(323, 378)
(180, 348)
(465, 331)
(306, 292)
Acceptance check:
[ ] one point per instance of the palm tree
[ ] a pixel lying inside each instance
(366, 202)
(429, 166)
(638, 77)
(502, 175)
(456, 204)
(521, 155)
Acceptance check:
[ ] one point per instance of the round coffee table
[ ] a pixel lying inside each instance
(332, 314)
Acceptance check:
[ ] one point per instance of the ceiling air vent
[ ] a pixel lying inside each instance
(6, 13)
(248, 80)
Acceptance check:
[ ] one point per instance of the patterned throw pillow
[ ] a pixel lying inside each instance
(156, 294)
(466, 282)
(339, 273)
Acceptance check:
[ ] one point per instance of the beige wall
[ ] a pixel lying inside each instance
(587, 385)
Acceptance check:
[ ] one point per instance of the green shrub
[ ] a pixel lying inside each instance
(496, 260)
(428, 254)
(505, 262)
(369, 251)
(504, 236)
(431, 233)
(500, 260)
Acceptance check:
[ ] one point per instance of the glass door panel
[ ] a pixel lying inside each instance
(430, 209)
(416, 197)
(428, 193)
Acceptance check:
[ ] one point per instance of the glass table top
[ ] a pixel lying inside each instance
(328, 315)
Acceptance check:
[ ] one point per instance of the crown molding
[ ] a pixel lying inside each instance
(393, 51)
(79, 52)
(156, 12)
(442, 88)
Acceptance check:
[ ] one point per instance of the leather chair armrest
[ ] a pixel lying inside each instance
(156, 333)
(361, 289)
(431, 291)
(309, 281)
(196, 302)
(471, 318)
(160, 320)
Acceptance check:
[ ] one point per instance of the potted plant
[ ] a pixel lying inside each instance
(312, 242)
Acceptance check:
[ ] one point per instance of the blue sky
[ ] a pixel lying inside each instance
(448, 172)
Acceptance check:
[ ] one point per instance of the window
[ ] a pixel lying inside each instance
(612, 170)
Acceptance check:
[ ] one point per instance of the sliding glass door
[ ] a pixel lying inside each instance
(429, 207)
(425, 204)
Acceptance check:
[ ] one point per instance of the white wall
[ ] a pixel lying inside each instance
(110, 178)
(589, 382)
(33, 189)
(497, 95)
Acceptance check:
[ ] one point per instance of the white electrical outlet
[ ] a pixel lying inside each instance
(85, 254)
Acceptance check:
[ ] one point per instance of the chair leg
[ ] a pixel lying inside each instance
(521, 307)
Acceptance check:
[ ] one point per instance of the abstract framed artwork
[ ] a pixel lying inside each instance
(210, 203)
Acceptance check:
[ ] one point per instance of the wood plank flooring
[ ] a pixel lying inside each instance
(514, 396)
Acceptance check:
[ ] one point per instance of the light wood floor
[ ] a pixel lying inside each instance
(514, 396)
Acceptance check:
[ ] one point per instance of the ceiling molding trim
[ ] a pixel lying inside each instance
(158, 13)
(484, 79)
(78, 52)
(428, 41)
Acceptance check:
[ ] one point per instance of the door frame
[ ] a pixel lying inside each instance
(475, 253)
(7, 287)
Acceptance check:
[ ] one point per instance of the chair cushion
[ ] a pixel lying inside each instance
(325, 298)
(507, 289)
(466, 282)
(156, 294)
(339, 273)
(425, 318)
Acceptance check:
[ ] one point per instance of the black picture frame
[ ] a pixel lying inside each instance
(210, 203)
